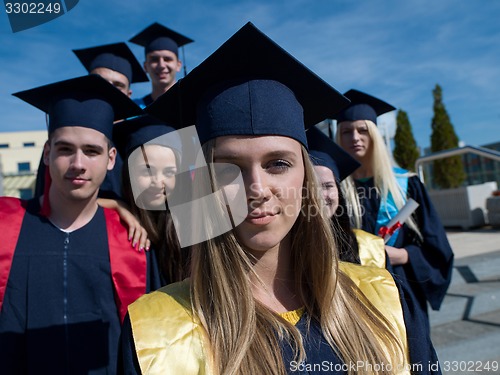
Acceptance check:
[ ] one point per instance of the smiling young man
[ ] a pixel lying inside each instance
(161, 49)
(116, 64)
(68, 273)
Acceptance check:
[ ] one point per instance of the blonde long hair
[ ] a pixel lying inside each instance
(383, 175)
(244, 335)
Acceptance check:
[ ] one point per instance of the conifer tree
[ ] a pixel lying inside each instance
(405, 151)
(448, 172)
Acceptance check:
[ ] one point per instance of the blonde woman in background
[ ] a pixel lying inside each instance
(419, 252)
(332, 166)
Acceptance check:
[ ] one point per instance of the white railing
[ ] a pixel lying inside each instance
(481, 151)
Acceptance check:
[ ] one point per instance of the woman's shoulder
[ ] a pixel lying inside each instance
(416, 189)
(415, 186)
(164, 301)
(362, 274)
(168, 337)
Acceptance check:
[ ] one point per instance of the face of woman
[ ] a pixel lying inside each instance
(355, 139)
(329, 186)
(273, 173)
(152, 175)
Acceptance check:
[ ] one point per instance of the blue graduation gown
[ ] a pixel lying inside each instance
(59, 314)
(428, 272)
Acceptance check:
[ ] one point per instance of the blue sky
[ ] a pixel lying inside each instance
(395, 50)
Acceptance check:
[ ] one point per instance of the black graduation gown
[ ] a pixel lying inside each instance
(422, 355)
(144, 101)
(428, 272)
(59, 314)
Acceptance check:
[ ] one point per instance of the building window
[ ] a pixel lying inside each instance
(24, 167)
(25, 193)
(29, 144)
(4, 145)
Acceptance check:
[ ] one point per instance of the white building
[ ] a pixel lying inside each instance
(20, 154)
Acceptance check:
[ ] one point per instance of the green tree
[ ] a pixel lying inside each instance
(405, 151)
(449, 172)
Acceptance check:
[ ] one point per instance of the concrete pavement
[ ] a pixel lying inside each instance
(474, 242)
(466, 331)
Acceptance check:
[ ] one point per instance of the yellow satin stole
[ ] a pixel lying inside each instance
(371, 249)
(379, 287)
(170, 340)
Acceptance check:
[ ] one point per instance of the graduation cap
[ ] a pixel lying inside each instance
(130, 134)
(89, 101)
(116, 56)
(157, 37)
(326, 153)
(249, 86)
(363, 107)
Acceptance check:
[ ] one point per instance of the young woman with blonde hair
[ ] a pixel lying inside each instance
(332, 166)
(268, 296)
(418, 252)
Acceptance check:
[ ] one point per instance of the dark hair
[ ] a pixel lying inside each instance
(346, 239)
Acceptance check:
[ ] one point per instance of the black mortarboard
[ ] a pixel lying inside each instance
(116, 56)
(88, 101)
(325, 152)
(132, 133)
(363, 107)
(157, 37)
(249, 86)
